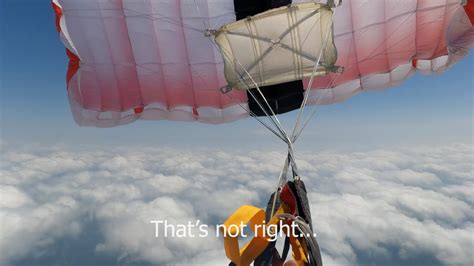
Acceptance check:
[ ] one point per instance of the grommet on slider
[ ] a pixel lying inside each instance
(225, 89)
(210, 32)
(332, 3)
(336, 69)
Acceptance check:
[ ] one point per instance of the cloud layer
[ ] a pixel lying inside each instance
(406, 206)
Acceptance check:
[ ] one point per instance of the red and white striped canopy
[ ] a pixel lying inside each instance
(150, 59)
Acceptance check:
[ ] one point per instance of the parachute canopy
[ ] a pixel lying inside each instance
(199, 59)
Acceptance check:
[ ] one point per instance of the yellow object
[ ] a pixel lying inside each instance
(246, 216)
(299, 251)
(255, 218)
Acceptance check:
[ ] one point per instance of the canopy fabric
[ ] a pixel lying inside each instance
(151, 59)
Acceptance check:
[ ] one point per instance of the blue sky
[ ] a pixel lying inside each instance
(34, 107)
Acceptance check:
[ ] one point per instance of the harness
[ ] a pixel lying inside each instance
(291, 218)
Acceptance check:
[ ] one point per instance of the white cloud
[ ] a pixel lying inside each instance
(375, 206)
(13, 198)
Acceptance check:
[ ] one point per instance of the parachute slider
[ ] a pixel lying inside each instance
(278, 46)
